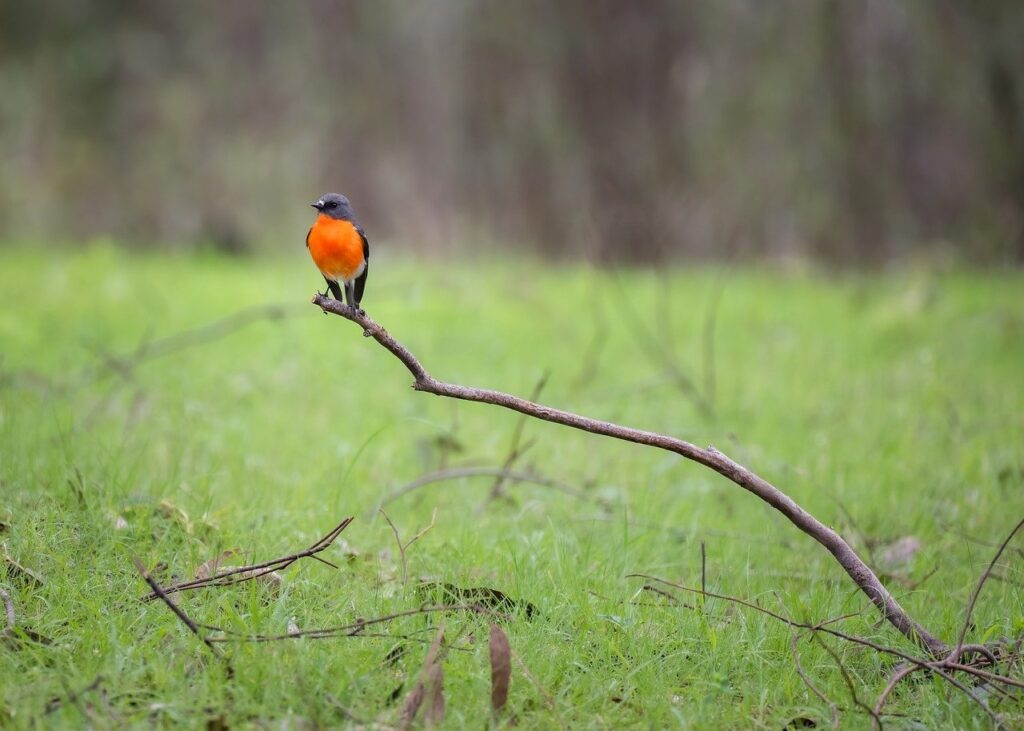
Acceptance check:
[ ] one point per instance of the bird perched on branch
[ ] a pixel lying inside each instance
(339, 248)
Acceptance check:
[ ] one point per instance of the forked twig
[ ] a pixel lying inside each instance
(403, 547)
(242, 574)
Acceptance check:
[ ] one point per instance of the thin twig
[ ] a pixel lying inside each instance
(255, 571)
(902, 672)
(793, 642)
(955, 655)
(876, 721)
(178, 612)
(403, 547)
(348, 630)
(710, 457)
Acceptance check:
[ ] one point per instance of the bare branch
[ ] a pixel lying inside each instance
(710, 457)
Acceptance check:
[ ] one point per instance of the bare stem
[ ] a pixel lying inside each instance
(710, 457)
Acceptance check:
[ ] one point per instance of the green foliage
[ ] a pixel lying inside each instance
(888, 406)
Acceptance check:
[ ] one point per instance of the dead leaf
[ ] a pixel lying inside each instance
(501, 667)
(412, 705)
(434, 712)
(209, 568)
(415, 698)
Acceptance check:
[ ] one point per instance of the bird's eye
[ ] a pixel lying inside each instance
(332, 204)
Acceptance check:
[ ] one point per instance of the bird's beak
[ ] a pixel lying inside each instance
(319, 205)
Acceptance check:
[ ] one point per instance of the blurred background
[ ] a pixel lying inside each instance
(856, 132)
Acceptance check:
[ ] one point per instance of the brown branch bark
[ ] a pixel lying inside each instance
(710, 457)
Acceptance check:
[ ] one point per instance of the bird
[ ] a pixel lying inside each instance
(339, 248)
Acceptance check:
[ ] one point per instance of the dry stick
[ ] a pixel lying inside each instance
(958, 650)
(402, 548)
(180, 614)
(902, 672)
(348, 630)
(710, 457)
(793, 642)
(255, 571)
(455, 473)
(876, 721)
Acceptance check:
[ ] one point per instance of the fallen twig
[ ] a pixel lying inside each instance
(710, 457)
(242, 574)
(876, 721)
(348, 630)
(793, 642)
(179, 612)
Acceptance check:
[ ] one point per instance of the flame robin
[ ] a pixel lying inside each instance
(339, 248)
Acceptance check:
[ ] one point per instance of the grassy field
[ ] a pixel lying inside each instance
(890, 406)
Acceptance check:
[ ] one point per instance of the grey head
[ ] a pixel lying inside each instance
(334, 205)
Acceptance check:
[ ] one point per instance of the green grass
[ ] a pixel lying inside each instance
(889, 406)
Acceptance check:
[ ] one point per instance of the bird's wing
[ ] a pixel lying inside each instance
(361, 279)
(366, 243)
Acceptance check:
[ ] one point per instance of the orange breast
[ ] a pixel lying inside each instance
(336, 248)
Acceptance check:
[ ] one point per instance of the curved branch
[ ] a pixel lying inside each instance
(710, 457)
